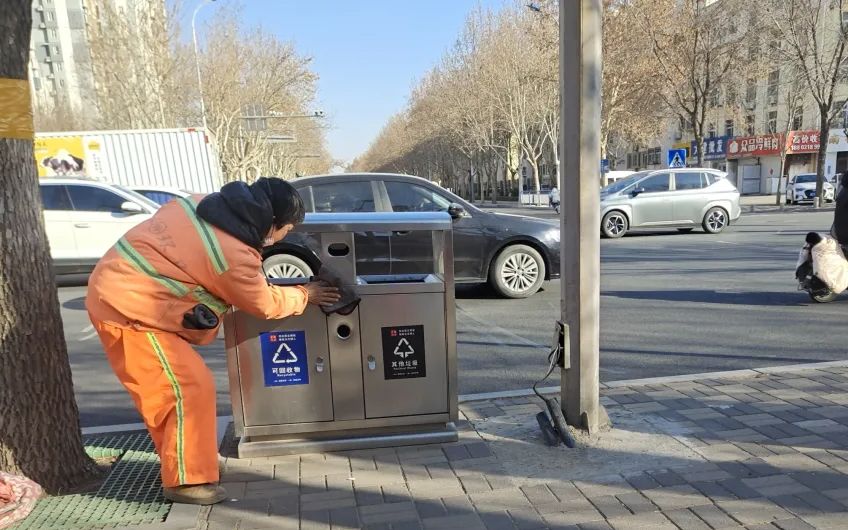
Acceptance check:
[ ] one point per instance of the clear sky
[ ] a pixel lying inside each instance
(368, 53)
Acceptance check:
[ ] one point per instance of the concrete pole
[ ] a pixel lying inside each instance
(580, 100)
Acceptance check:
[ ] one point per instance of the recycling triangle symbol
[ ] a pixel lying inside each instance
(285, 350)
(406, 352)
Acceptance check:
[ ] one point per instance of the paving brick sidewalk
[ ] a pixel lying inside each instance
(751, 450)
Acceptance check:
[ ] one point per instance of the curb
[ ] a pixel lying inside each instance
(505, 394)
(727, 374)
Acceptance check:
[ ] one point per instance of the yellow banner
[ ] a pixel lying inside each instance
(15, 109)
(60, 156)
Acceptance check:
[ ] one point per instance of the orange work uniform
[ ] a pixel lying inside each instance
(140, 300)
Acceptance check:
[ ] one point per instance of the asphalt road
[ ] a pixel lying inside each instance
(671, 304)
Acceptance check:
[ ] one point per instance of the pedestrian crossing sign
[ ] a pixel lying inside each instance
(677, 158)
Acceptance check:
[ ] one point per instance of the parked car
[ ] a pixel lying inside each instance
(160, 195)
(802, 188)
(669, 198)
(84, 218)
(515, 254)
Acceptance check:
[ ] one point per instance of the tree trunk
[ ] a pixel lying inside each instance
(537, 187)
(824, 130)
(39, 425)
(781, 177)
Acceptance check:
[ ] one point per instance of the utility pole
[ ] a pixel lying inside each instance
(580, 101)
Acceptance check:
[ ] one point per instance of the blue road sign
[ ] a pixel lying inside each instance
(677, 158)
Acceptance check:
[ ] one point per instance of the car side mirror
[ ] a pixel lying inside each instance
(457, 211)
(131, 208)
(637, 191)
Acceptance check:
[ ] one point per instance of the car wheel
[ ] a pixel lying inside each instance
(614, 224)
(685, 230)
(286, 266)
(789, 201)
(715, 221)
(518, 272)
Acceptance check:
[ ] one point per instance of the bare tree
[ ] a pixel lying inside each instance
(695, 55)
(39, 428)
(814, 40)
(253, 85)
(139, 78)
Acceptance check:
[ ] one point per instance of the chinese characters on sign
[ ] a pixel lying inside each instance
(714, 148)
(763, 145)
(403, 352)
(803, 142)
(284, 358)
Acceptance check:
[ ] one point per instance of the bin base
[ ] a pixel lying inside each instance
(259, 447)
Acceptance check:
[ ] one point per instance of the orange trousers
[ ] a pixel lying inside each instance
(174, 391)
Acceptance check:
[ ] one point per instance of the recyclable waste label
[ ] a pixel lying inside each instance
(284, 360)
(403, 352)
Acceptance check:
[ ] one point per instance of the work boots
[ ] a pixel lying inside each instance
(202, 494)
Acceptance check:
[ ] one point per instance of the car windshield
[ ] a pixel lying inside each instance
(138, 197)
(805, 178)
(619, 185)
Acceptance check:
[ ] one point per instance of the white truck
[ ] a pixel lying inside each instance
(182, 159)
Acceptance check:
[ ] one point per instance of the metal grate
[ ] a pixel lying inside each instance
(130, 495)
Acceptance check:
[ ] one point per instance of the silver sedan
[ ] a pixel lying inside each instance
(670, 198)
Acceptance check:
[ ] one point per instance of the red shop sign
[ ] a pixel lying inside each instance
(746, 146)
(803, 142)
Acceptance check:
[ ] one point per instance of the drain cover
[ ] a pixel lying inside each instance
(131, 494)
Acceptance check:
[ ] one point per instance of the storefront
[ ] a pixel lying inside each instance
(715, 152)
(802, 148)
(753, 163)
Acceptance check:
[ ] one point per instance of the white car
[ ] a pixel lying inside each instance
(159, 194)
(84, 219)
(802, 188)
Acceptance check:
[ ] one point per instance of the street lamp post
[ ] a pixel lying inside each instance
(580, 100)
(197, 60)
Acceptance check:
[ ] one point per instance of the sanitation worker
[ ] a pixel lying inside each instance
(164, 286)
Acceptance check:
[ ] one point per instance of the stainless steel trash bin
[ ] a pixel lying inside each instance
(383, 375)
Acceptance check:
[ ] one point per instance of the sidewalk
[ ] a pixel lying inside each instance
(756, 449)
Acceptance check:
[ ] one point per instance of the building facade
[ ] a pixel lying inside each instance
(60, 61)
(751, 124)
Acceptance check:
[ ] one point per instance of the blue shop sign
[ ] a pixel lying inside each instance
(715, 148)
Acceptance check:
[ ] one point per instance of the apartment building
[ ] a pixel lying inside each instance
(751, 122)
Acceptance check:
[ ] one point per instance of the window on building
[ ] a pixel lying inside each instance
(53, 34)
(844, 19)
(50, 16)
(749, 125)
(36, 83)
(773, 83)
(754, 51)
(771, 122)
(711, 130)
(61, 83)
(715, 97)
(838, 112)
(798, 119)
(728, 128)
(58, 67)
(751, 93)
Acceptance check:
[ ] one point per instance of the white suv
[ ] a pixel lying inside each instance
(85, 218)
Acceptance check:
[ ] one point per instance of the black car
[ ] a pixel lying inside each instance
(514, 254)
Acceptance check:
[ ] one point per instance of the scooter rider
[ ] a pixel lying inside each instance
(165, 286)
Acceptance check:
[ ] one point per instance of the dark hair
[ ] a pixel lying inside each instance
(286, 202)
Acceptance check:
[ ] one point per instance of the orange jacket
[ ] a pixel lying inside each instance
(162, 268)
